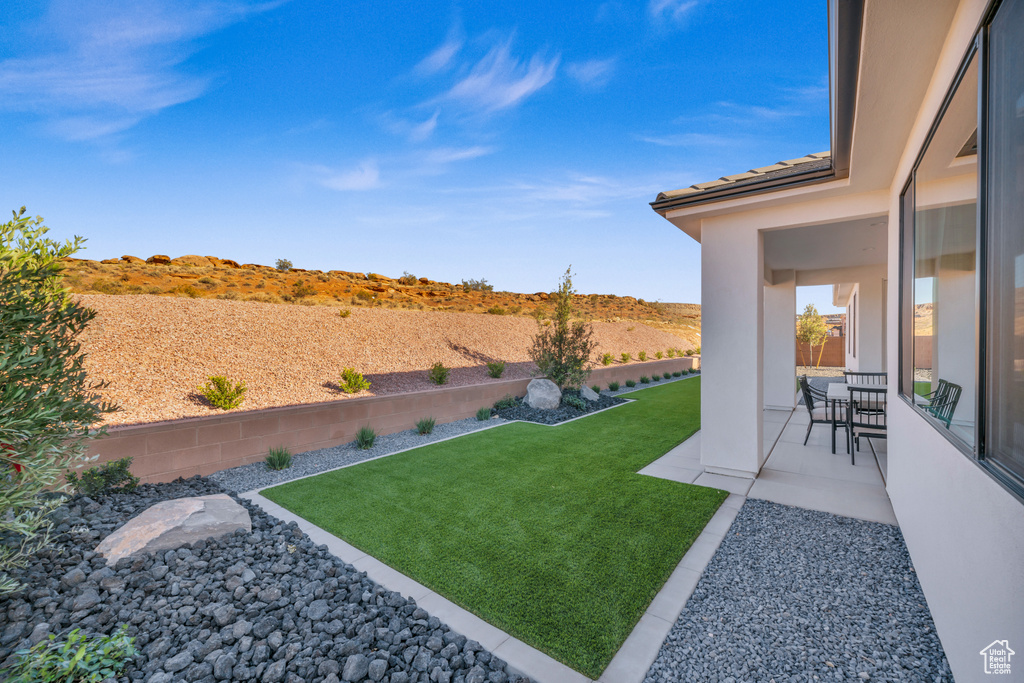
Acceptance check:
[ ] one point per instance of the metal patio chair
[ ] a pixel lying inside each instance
(866, 377)
(819, 414)
(865, 417)
(944, 406)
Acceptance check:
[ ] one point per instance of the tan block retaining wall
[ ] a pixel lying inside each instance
(164, 451)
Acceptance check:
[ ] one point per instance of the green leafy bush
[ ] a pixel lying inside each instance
(626, 358)
(574, 402)
(677, 373)
(283, 265)
(438, 373)
(644, 379)
(47, 402)
(222, 393)
(509, 401)
(596, 389)
(656, 378)
(483, 414)
(365, 438)
(352, 381)
(496, 369)
(613, 386)
(671, 353)
(642, 356)
(300, 289)
(606, 359)
(689, 352)
(659, 355)
(425, 426)
(476, 286)
(344, 313)
(666, 375)
(79, 658)
(407, 279)
(630, 382)
(279, 458)
(102, 480)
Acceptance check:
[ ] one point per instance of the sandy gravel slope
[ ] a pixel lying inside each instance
(154, 351)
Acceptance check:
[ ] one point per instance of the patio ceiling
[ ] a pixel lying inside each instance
(846, 244)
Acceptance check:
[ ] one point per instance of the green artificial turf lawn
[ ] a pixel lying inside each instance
(545, 532)
(922, 388)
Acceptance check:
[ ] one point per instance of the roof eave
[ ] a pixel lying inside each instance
(797, 179)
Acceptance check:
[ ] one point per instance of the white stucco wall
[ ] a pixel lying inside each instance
(780, 341)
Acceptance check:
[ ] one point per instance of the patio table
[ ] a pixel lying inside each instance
(839, 394)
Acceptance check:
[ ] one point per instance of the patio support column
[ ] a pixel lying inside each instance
(780, 341)
(732, 312)
(869, 325)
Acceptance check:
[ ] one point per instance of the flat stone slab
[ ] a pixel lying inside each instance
(174, 523)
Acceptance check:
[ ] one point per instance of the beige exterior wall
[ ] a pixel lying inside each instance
(164, 451)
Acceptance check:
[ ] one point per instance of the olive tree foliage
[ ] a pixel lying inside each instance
(811, 330)
(46, 402)
(563, 350)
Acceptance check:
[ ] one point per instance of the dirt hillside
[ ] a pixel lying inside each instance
(154, 351)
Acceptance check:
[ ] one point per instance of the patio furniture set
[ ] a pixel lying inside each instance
(858, 405)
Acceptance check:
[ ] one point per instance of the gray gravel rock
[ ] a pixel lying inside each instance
(801, 595)
(236, 608)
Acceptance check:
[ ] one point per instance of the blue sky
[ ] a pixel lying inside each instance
(480, 140)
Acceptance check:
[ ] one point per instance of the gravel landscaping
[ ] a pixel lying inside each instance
(262, 606)
(796, 594)
(564, 412)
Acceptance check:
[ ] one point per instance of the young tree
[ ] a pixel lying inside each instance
(283, 265)
(811, 330)
(46, 403)
(563, 350)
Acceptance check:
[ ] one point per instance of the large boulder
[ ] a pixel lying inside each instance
(543, 394)
(174, 523)
(159, 260)
(191, 260)
(589, 394)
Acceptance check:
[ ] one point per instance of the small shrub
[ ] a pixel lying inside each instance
(207, 280)
(483, 414)
(229, 296)
(102, 480)
(300, 289)
(283, 265)
(363, 295)
(656, 378)
(189, 291)
(352, 381)
(438, 373)
(677, 373)
(509, 401)
(79, 658)
(644, 379)
(476, 286)
(630, 328)
(574, 402)
(425, 426)
(279, 458)
(659, 355)
(666, 375)
(613, 386)
(496, 369)
(344, 313)
(642, 356)
(496, 310)
(630, 383)
(515, 310)
(365, 438)
(671, 353)
(689, 352)
(408, 279)
(606, 359)
(222, 393)
(596, 388)
(626, 358)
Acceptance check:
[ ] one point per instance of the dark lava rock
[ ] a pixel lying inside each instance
(564, 412)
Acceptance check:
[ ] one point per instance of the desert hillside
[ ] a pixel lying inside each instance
(154, 351)
(209, 277)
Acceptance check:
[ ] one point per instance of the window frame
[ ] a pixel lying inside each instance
(976, 453)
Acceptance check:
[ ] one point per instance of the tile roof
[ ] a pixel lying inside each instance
(782, 169)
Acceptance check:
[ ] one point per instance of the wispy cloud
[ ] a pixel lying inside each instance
(500, 80)
(108, 66)
(442, 57)
(447, 155)
(688, 140)
(593, 73)
(670, 10)
(365, 176)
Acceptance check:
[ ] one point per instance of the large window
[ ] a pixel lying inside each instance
(962, 269)
(1004, 180)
